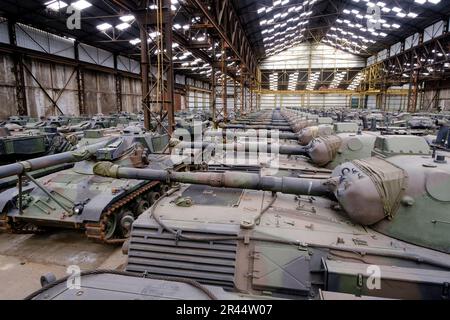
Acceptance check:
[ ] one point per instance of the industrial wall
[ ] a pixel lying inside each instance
(47, 80)
(308, 56)
(60, 83)
(316, 57)
(432, 95)
(270, 101)
(7, 87)
(198, 95)
(435, 95)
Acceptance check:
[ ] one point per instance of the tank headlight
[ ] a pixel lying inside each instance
(78, 209)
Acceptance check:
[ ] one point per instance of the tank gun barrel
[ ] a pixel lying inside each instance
(253, 133)
(50, 160)
(248, 147)
(250, 181)
(255, 127)
(260, 123)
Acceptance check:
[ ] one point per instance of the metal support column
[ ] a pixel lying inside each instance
(145, 70)
(224, 82)
(169, 95)
(213, 87)
(118, 82)
(81, 91)
(235, 108)
(242, 106)
(18, 70)
(80, 83)
(251, 96)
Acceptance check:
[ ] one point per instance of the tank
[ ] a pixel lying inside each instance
(77, 127)
(286, 127)
(421, 123)
(189, 126)
(58, 121)
(76, 198)
(308, 134)
(442, 140)
(120, 285)
(101, 121)
(92, 136)
(377, 228)
(19, 120)
(229, 135)
(304, 137)
(325, 151)
(28, 144)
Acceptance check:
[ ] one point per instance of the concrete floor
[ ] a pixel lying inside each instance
(24, 258)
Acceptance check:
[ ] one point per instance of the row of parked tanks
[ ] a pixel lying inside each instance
(280, 204)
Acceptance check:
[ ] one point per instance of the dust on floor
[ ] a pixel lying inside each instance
(24, 258)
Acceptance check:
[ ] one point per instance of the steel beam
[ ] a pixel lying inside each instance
(213, 103)
(80, 83)
(242, 106)
(18, 70)
(166, 53)
(222, 16)
(224, 82)
(145, 70)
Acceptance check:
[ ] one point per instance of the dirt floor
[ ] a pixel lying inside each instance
(24, 258)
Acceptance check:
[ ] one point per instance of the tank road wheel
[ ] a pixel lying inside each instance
(109, 226)
(47, 279)
(4, 225)
(142, 205)
(152, 197)
(126, 222)
(164, 188)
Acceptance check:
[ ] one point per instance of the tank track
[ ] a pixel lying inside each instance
(96, 231)
(93, 230)
(4, 225)
(7, 226)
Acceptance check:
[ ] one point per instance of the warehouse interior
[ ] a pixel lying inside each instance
(316, 56)
(305, 140)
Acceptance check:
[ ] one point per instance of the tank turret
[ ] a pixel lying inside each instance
(306, 135)
(420, 123)
(31, 143)
(57, 121)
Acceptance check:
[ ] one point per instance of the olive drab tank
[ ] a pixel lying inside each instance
(76, 198)
(302, 238)
(325, 151)
(328, 146)
(420, 123)
(308, 134)
(101, 121)
(21, 145)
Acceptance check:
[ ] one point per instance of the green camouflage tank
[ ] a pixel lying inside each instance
(76, 198)
(377, 228)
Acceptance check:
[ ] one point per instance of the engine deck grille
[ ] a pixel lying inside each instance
(157, 252)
